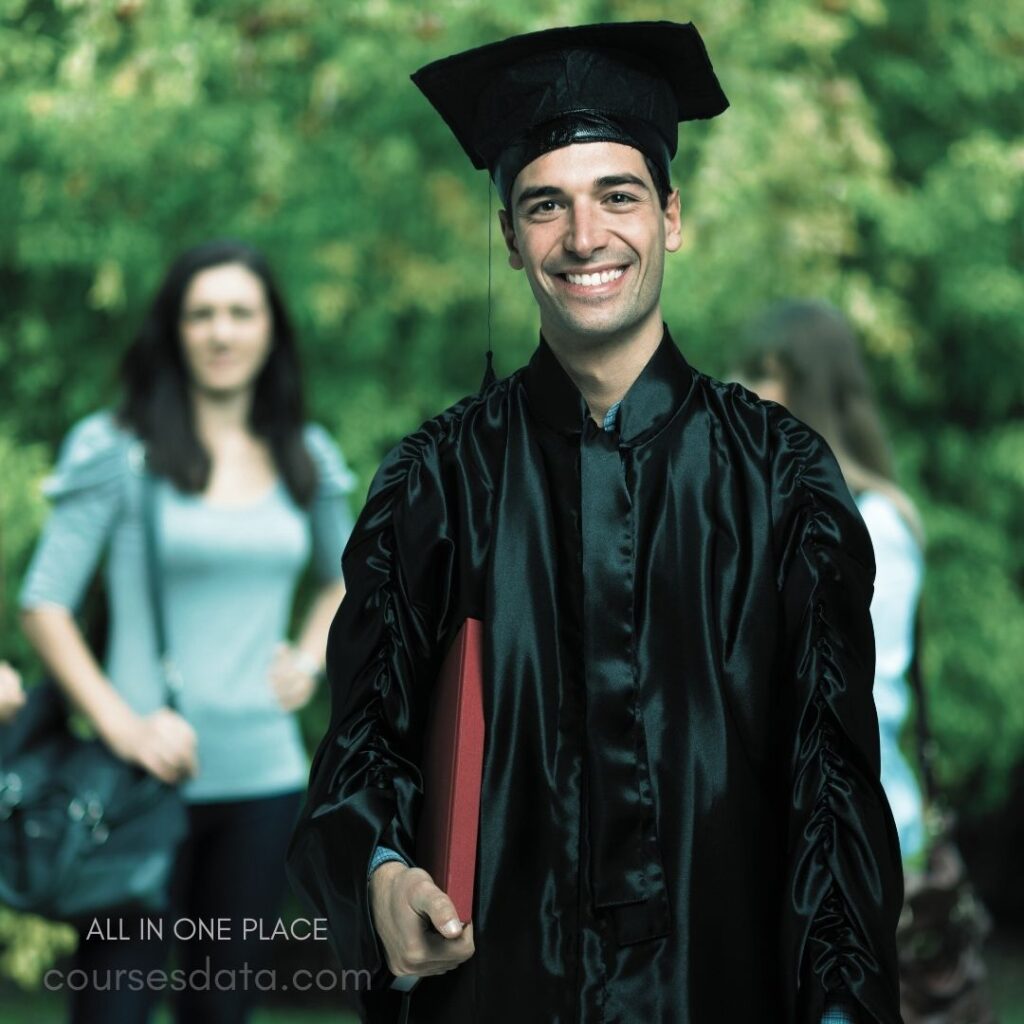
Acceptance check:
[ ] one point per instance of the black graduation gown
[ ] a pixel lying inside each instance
(681, 819)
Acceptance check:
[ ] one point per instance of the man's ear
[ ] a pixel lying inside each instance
(515, 261)
(673, 222)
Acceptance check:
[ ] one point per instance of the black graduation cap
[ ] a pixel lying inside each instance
(509, 102)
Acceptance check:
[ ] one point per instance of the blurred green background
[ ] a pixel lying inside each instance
(873, 155)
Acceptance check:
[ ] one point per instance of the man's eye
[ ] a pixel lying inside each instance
(194, 316)
(620, 198)
(545, 206)
(242, 312)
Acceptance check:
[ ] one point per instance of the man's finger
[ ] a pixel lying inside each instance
(438, 951)
(432, 903)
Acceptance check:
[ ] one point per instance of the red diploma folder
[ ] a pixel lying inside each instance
(452, 769)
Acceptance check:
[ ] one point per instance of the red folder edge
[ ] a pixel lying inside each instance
(452, 771)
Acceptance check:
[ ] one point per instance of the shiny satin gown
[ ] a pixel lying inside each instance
(681, 815)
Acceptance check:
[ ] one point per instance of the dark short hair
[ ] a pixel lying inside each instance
(155, 379)
(662, 186)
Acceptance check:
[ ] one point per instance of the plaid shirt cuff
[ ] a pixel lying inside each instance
(382, 855)
(837, 1014)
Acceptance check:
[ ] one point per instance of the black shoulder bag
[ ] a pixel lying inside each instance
(82, 831)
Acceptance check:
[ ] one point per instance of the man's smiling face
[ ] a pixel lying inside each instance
(586, 225)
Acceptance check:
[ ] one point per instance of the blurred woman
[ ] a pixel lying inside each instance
(247, 494)
(805, 356)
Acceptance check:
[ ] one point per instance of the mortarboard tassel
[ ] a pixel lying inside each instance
(489, 376)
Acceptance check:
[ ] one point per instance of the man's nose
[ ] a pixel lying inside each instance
(586, 232)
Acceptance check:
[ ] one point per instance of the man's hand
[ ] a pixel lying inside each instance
(416, 922)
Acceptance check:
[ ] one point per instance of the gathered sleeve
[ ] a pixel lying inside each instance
(843, 882)
(330, 516)
(87, 490)
(383, 653)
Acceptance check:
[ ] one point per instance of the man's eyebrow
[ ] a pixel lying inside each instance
(537, 192)
(607, 181)
(611, 180)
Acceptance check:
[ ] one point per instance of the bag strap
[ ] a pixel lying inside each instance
(154, 580)
(925, 741)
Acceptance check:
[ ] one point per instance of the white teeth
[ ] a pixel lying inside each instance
(590, 280)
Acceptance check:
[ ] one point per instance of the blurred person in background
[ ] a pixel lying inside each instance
(12, 696)
(805, 356)
(246, 495)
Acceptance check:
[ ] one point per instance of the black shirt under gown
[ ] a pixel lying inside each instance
(682, 820)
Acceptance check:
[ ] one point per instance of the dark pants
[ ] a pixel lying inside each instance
(230, 867)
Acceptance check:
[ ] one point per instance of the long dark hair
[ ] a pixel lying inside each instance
(811, 349)
(156, 402)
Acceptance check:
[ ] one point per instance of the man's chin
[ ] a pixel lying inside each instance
(585, 332)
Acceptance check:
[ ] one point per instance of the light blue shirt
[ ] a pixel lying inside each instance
(228, 577)
(893, 609)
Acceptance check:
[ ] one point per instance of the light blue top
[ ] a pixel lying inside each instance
(229, 576)
(893, 609)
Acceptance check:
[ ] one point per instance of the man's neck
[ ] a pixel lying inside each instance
(605, 372)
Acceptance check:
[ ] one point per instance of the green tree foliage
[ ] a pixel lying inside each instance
(29, 945)
(873, 155)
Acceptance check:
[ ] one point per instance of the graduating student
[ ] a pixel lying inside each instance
(681, 817)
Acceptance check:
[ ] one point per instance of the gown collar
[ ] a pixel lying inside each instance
(652, 400)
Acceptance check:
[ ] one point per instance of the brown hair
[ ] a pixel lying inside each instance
(156, 406)
(810, 348)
